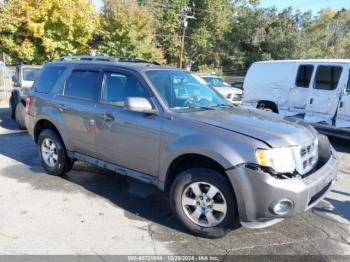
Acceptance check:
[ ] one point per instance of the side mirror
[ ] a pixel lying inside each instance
(139, 104)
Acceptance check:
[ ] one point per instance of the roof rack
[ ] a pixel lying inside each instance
(106, 59)
(88, 58)
(136, 60)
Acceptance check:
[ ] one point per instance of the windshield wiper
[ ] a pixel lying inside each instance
(194, 107)
(220, 105)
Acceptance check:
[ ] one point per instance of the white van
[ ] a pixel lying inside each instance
(316, 90)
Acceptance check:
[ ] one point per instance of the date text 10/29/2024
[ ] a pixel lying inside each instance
(173, 258)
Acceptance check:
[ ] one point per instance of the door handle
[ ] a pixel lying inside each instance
(62, 107)
(341, 104)
(311, 101)
(107, 117)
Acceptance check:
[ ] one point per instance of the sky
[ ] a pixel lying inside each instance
(304, 5)
(307, 5)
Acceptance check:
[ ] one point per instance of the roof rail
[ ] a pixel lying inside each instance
(106, 59)
(87, 58)
(136, 60)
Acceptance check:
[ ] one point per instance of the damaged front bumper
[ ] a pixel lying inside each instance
(258, 192)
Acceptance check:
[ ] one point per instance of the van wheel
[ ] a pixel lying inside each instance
(53, 154)
(203, 201)
(20, 113)
(267, 106)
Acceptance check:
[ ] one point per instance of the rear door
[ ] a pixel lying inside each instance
(77, 107)
(325, 93)
(299, 94)
(343, 115)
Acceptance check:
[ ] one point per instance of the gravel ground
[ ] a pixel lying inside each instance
(94, 211)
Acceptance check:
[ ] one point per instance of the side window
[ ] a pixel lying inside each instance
(83, 84)
(48, 78)
(118, 87)
(304, 75)
(327, 77)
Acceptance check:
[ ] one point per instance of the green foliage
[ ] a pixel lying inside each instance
(229, 34)
(37, 31)
(328, 36)
(127, 30)
(263, 34)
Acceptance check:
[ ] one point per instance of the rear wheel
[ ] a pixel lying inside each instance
(20, 116)
(12, 107)
(203, 201)
(53, 154)
(267, 106)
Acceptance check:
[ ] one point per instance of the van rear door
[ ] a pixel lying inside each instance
(325, 93)
(299, 94)
(343, 114)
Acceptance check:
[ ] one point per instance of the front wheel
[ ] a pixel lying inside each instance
(53, 154)
(204, 202)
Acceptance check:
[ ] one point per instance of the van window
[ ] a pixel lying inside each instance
(83, 84)
(304, 75)
(48, 78)
(327, 77)
(30, 74)
(118, 87)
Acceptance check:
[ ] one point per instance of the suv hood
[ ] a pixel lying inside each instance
(273, 129)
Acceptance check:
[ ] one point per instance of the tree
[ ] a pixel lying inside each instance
(205, 35)
(168, 26)
(263, 34)
(128, 30)
(326, 36)
(37, 31)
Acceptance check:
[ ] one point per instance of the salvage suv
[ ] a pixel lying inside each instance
(222, 165)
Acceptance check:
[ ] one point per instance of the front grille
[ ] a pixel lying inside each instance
(308, 157)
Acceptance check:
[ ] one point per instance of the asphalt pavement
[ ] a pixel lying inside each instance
(95, 211)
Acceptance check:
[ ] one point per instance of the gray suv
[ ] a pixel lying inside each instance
(222, 165)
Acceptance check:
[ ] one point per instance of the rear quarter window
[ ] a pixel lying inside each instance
(48, 78)
(83, 84)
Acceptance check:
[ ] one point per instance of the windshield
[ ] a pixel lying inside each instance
(30, 74)
(215, 81)
(184, 91)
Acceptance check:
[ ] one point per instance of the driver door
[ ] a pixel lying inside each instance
(128, 139)
(343, 115)
(298, 96)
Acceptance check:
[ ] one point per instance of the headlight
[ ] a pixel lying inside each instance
(237, 97)
(281, 160)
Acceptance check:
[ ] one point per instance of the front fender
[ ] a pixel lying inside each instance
(227, 154)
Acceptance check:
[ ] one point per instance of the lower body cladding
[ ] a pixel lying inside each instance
(264, 200)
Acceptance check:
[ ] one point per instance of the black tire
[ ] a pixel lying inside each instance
(64, 163)
(12, 107)
(189, 176)
(20, 114)
(267, 106)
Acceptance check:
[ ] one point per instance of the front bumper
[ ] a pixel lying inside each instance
(256, 191)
